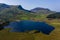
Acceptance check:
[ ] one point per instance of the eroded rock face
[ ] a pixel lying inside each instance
(27, 25)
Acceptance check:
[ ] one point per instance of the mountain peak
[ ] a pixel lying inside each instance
(39, 9)
(20, 7)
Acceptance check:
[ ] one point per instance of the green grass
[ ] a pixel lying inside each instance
(6, 35)
(55, 35)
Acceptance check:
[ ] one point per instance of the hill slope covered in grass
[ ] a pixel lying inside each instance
(55, 35)
(17, 12)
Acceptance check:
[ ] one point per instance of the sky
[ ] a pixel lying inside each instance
(53, 5)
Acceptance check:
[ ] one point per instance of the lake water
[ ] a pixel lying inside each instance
(28, 25)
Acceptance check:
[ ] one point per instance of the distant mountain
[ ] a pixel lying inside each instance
(42, 10)
(12, 11)
(21, 8)
(17, 12)
(39, 9)
(3, 6)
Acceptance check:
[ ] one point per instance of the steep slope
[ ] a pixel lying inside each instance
(12, 11)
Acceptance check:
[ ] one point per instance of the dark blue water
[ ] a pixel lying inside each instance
(27, 25)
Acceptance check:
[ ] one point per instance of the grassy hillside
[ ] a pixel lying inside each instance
(15, 13)
(55, 35)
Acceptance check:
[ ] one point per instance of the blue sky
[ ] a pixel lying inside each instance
(30, 4)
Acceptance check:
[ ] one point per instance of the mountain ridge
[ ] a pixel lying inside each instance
(42, 10)
(17, 11)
